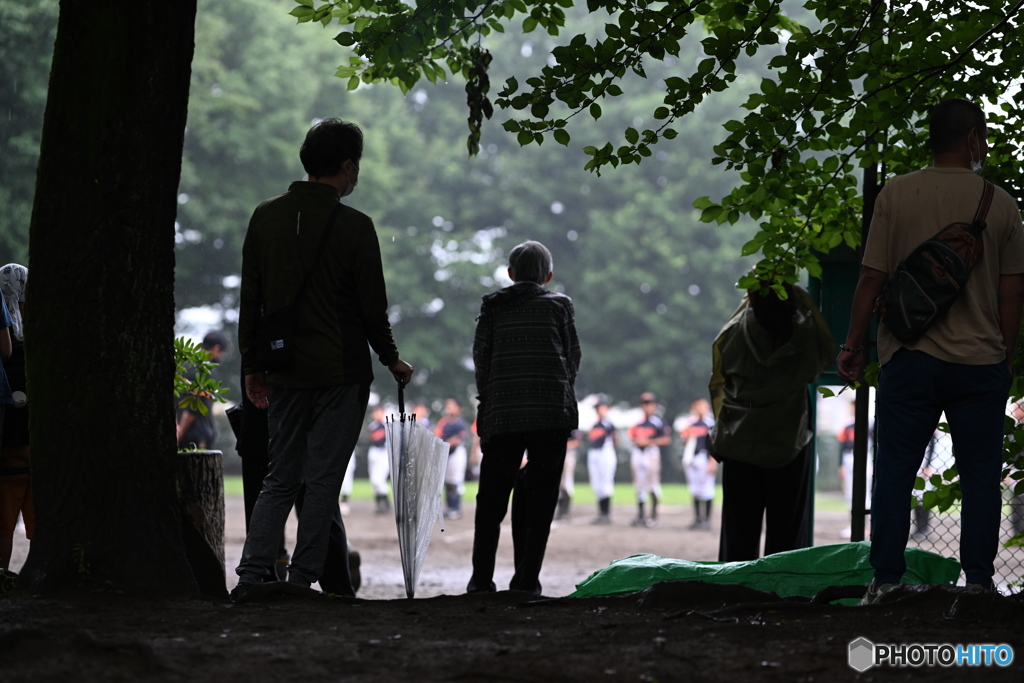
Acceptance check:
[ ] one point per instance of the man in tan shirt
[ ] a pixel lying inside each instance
(962, 365)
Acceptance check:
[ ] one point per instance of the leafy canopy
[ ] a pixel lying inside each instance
(853, 83)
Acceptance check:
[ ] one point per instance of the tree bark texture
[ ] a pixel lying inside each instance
(100, 309)
(201, 491)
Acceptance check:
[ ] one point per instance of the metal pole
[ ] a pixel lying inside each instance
(858, 508)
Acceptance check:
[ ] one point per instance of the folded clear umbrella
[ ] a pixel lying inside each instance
(418, 461)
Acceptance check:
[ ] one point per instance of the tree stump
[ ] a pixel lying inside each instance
(201, 493)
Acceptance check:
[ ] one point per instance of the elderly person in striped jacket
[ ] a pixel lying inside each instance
(526, 354)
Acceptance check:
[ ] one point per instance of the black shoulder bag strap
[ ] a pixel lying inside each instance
(984, 205)
(319, 252)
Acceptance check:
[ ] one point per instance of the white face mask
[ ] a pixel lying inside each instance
(351, 186)
(976, 164)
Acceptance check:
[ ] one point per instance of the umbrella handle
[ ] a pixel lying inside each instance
(401, 398)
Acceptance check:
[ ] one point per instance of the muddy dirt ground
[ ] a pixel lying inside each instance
(673, 631)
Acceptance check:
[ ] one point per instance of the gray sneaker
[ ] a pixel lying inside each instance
(874, 593)
(8, 581)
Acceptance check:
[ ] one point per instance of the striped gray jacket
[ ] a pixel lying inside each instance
(526, 354)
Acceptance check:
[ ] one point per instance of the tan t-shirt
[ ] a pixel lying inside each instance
(912, 208)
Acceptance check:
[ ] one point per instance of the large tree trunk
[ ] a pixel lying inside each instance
(100, 308)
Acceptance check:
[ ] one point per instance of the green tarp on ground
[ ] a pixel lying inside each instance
(801, 572)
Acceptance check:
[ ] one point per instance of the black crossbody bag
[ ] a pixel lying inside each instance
(275, 332)
(931, 278)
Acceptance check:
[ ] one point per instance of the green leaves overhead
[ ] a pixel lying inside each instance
(852, 86)
(852, 94)
(399, 43)
(477, 86)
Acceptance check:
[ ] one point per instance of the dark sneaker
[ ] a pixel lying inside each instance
(244, 592)
(8, 580)
(475, 587)
(299, 590)
(875, 593)
(248, 592)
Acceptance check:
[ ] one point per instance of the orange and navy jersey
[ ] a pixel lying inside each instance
(376, 430)
(846, 439)
(599, 433)
(698, 430)
(651, 428)
(448, 428)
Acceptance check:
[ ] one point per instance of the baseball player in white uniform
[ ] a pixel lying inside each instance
(601, 461)
(648, 437)
(700, 468)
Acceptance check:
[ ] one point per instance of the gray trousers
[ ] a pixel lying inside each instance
(312, 435)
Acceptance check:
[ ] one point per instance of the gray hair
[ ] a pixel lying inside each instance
(531, 261)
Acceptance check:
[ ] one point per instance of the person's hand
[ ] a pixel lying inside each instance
(712, 465)
(401, 371)
(256, 390)
(850, 365)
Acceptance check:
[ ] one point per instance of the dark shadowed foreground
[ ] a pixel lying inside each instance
(672, 631)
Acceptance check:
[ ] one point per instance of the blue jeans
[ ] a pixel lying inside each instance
(914, 389)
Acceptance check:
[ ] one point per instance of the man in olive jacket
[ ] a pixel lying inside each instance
(317, 404)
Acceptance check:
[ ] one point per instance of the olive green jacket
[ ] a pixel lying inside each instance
(759, 394)
(345, 304)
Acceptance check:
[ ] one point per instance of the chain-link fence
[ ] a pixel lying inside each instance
(935, 531)
(939, 532)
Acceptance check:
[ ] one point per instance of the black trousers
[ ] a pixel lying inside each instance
(252, 447)
(533, 504)
(779, 496)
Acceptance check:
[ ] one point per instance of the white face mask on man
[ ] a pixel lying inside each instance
(351, 186)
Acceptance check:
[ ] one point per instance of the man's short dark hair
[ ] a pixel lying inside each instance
(531, 262)
(215, 338)
(328, 144)
(950, 122)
